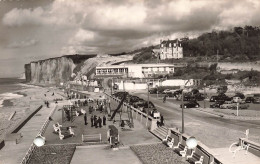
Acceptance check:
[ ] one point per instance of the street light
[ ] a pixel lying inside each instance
(191, 142)
(182, 111)
(237, 107)
(204, 95)
(39, 141)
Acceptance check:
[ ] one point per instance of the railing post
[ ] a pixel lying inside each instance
(146, 120)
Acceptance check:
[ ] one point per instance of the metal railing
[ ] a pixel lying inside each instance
(30, 151)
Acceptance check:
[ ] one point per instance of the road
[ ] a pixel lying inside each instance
(211, 130)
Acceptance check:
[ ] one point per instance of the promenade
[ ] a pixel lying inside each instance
(137, 145)
(14, 153)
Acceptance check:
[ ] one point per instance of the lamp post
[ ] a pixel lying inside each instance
(237, 107)
(204, 95)
(148, 97)
(157, 90)
(112, 87)
(182, 111)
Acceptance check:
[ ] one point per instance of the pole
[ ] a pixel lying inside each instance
(112, 87)
(148, 97)
(182, 111)
(157, 91)
(237, 108)
(124, 85)
(204, 95)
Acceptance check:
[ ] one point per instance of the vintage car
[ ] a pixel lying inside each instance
(191, 104)
(241, 106)
(227, 105)
(217, 104)
(249, 99)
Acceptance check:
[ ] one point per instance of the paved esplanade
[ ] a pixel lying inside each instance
(215, 132)
(14, 153)
(241, 157)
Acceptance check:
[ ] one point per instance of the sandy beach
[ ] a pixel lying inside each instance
(30, 98)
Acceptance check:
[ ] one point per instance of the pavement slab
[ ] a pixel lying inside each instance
(241, 157)
(103, 154)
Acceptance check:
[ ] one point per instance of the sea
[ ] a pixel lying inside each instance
(8, 87)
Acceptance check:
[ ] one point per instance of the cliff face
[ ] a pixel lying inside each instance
(50, 71)
(60, 69)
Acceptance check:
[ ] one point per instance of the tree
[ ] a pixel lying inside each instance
(239, 94)
(213, 67)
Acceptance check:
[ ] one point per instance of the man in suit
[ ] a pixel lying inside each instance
(85, 118)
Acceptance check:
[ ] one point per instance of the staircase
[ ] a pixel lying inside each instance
(160, 132)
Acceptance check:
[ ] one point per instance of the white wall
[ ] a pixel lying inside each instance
(176, 82)
(135, 71)
(131, 86)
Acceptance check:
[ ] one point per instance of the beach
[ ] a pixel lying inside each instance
(22, 102)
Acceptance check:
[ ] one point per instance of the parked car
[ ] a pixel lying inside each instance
(237, 99)
(227, 105)
(220, 98)
(199, 97)
(191, 104)
(170, 94)
(153, 90)
(249, 99)
(188, 98)
(256, 100)
(213, 98)
(217, 104)
(167, 91)
(240, 106)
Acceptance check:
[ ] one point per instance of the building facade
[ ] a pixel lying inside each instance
(134, 70)
(171, 49)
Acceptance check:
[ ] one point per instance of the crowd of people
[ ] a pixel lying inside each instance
(97, 121)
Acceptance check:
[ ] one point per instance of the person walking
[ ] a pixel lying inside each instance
(95, 121)
(164, 98)
(162, 120)
(92, 121)
(99, 122)
(104, 120)
(85, 119)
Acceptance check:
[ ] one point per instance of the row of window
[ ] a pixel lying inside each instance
(112, 70)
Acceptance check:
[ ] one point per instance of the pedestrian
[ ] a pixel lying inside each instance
(99, 122)
(92, 120)
(85, 118)
(47, 104)
(53, 94)
(95, 121)
(90, 109)
(104, 120)
(164, 98)
(162, 120)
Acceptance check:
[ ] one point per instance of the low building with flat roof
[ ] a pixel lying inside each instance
(134, 70)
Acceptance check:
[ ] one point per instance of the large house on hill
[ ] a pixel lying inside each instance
(170, 49)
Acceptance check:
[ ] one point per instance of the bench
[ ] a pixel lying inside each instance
(180, 149)
(168, 141)
(195, 158)
(66, 133)
(91, 138)
(56, 127)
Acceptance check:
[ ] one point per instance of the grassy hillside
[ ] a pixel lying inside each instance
(239, 44)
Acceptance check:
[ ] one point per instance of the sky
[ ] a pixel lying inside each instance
(32, 30)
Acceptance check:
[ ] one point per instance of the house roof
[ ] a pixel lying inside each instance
(167, 42)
